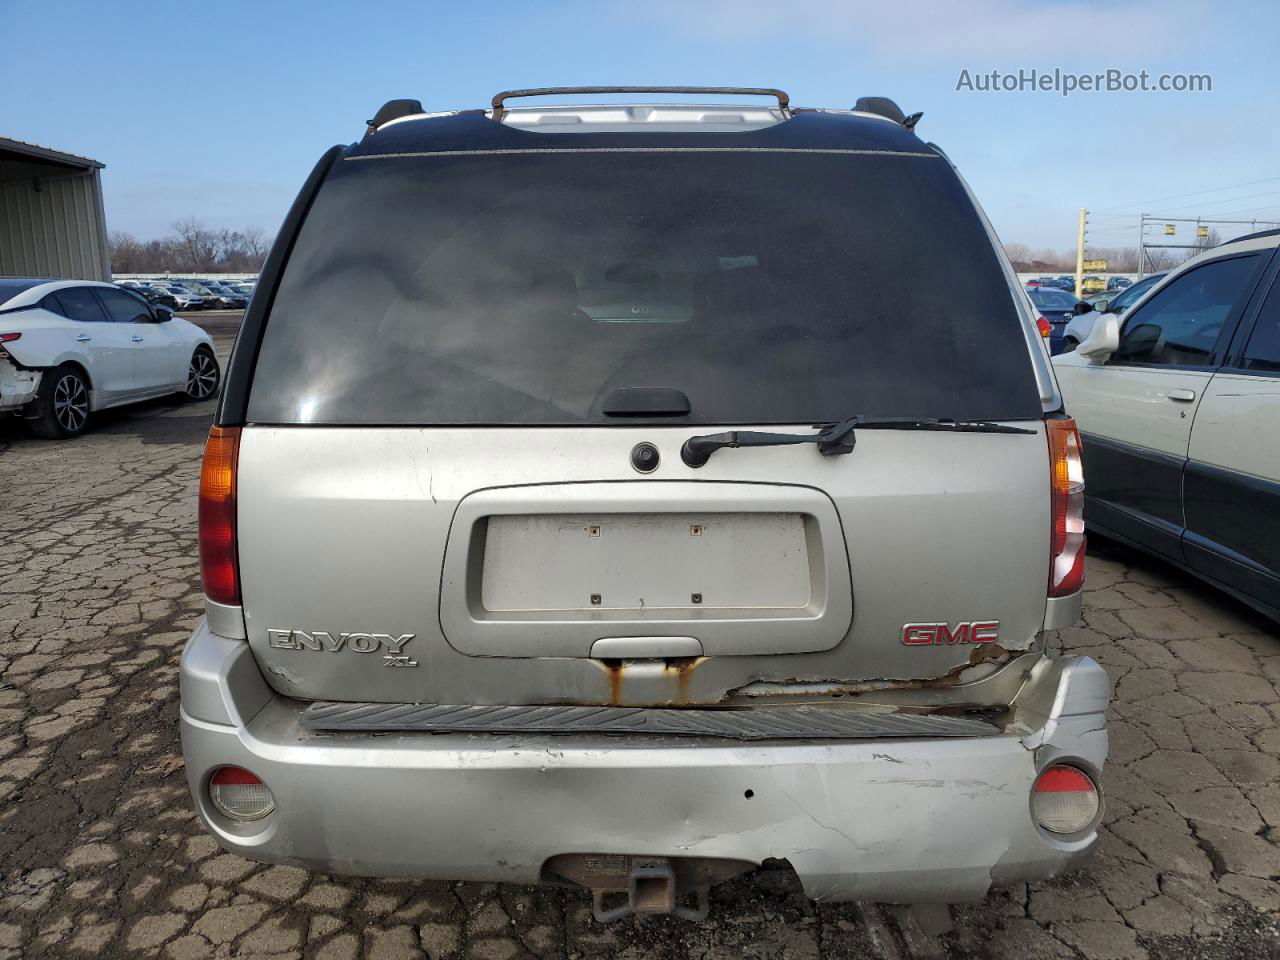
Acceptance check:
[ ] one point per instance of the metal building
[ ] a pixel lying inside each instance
(51, 218)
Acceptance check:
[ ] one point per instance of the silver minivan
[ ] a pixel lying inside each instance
(625, 495)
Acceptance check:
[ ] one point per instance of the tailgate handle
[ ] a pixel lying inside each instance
(645, 648)
(1186, 396)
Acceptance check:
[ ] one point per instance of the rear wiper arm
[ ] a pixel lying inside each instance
(835, 438)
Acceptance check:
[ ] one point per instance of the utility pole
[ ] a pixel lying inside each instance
(1080, 255)
(1142, 246)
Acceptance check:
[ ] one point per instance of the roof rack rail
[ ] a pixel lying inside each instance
(884, 107)
(393, 110)
(499, 99)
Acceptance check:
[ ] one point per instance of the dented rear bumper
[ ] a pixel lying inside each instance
(906, 820)
(18, 387)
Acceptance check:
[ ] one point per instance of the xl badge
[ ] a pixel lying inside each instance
(325, 642)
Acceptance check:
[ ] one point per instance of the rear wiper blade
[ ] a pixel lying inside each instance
(833, 439)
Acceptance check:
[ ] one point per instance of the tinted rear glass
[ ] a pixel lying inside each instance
(1052, 299)
(526, 289)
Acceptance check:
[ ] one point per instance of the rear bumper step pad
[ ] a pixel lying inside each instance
(751, 723)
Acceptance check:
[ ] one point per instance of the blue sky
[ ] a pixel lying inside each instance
(218, 112)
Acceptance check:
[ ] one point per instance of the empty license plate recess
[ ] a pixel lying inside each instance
(548, 570)
(666, 564)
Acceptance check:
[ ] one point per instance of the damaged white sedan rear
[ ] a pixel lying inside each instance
(71, 347)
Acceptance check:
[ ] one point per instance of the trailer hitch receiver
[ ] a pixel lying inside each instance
(622, 884)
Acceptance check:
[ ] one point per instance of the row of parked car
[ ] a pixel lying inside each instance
(183, 293)
(1089, 285)
(1057, 306)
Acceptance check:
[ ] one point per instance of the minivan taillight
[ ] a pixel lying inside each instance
(1066, 490)
(219, 570)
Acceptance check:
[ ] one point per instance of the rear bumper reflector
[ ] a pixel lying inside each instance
(752, 723)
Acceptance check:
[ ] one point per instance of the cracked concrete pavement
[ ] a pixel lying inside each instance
(101, 854)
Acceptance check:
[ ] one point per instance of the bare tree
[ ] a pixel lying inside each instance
(194, 248)
(1119, 259)
(1019, 255)
(1159, 260)
(126, 252)
(256, 244)
(197, 246)
(1207, 242)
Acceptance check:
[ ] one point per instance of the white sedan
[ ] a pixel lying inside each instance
(71, 347)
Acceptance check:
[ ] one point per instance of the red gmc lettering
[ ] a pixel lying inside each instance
(947, 635)
(919, 634)
(937, 634)
(984, 631)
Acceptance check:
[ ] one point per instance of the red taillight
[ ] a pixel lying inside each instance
(1044, 326)
(1066, 492)
(9, 337)
(219, 569)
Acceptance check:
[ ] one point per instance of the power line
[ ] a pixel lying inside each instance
(1179, 196)
(1236, 217)
(1207, 203)
(1249, 210)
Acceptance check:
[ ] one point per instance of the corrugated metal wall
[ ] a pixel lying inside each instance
(57, 231)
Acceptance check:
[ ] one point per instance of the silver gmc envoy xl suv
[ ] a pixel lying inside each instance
(625, 495)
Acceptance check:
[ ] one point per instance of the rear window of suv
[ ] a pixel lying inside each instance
(770, 287)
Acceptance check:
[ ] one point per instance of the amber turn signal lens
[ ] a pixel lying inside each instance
(1066, 493)
(219, 566)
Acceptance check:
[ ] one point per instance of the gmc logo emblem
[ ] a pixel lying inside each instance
(935, 634)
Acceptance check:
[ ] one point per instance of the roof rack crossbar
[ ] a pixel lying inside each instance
(499, 99)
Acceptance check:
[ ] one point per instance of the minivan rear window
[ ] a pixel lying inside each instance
(770, 287)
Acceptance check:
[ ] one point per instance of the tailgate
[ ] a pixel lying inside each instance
(477, 565)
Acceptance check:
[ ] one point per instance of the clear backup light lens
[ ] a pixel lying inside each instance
(240, 795)
(1064, 800)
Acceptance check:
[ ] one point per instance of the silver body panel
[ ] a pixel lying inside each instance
(345, 529)
(913, 820)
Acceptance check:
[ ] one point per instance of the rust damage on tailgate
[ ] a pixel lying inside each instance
(993, 654)
(984, 661)
(683, 668)
(679, 668)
